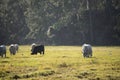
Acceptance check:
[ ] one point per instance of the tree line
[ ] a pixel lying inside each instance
(60, 22)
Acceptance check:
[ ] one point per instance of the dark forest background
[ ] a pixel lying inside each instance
(60, 22)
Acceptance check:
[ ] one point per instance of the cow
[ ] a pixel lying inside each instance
(3, 50)
(12, 49)
(38, 49)
(87, 50)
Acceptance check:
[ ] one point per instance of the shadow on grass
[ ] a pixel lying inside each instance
(86, 75)
(36, 74)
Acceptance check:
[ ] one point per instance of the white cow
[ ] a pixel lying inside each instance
(87, 50)
(12, 49)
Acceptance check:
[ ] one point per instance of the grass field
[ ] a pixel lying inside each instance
(61, 63)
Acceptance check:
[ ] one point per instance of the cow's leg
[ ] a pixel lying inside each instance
(42, 52)
(84, 55)
(35, 53)
(87, 55)
(90, 54)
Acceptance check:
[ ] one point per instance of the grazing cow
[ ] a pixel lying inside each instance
(12, 49)
(39, 48)
(2, 50)
(17, 47)
(87, 50)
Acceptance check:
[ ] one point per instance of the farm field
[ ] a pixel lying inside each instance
(62, 63)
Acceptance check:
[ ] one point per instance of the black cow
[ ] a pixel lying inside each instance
(38, 49)
(2, 50)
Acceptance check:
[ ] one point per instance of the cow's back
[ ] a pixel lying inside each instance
(39, 48)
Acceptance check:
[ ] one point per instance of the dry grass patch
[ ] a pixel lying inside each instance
(62, 63)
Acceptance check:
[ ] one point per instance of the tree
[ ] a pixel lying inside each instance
(13, 19)
(73, 22)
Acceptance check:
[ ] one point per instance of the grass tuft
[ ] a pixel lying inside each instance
(85, 74)
(16, 77)
(63, 65)
(46, 73)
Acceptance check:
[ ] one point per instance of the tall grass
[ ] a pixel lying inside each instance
(62, 63)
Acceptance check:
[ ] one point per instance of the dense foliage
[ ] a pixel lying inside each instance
(60, 22)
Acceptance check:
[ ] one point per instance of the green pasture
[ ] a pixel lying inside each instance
(62, 63)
